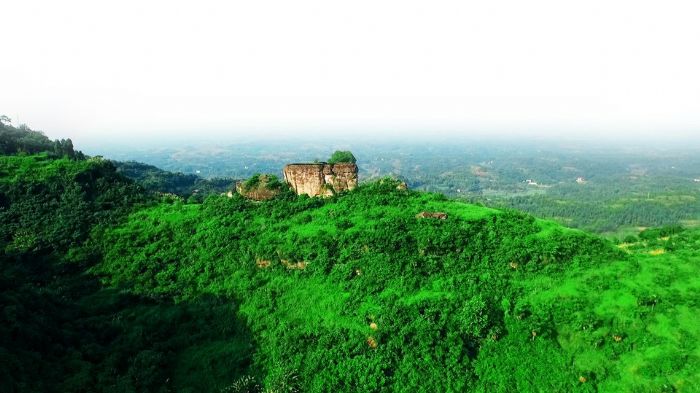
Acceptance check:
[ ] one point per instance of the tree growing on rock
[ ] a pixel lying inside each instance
(342, 156)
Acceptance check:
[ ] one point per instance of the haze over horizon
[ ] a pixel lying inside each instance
(132, 71)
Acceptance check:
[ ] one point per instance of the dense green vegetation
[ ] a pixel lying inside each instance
(60, 330)
(356, 294)
(340, 156)
(107, 287)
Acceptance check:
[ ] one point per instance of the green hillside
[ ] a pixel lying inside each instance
(105, 288)
(157, 180)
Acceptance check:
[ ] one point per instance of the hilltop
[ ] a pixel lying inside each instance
(109, 287)
(355, 293)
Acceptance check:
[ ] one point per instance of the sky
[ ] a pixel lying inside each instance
(130, 70)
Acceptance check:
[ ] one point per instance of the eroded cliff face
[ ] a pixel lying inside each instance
(321, 178)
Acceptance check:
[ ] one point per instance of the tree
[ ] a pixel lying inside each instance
(342, 156)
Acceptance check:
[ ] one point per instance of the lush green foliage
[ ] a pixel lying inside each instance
(631, 324)
(52, 203)
(105, 289)
(60, 330)
(342, 156)
(354, 293)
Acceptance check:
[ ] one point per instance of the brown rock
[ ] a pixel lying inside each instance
(372, 342)
(321, 178)
(438, 215)
(301, 265)
(262, 263)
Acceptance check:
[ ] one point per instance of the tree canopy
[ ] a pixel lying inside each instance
(342, 156)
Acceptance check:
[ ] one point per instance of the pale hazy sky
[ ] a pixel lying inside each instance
(88, 69)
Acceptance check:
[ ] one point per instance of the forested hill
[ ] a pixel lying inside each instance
(24, 140)
(356, 293)
(106, 287)
(157, 180)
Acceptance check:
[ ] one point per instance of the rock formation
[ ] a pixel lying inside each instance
(321, 178)
(259, 187)
(438, 215)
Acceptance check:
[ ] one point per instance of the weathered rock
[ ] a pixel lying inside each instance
(438, 215)
(321, 178)
(301, 265)
(263, 263)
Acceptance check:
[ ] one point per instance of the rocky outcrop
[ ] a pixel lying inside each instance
(438, 215)
(321, 178)
(259, 187)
